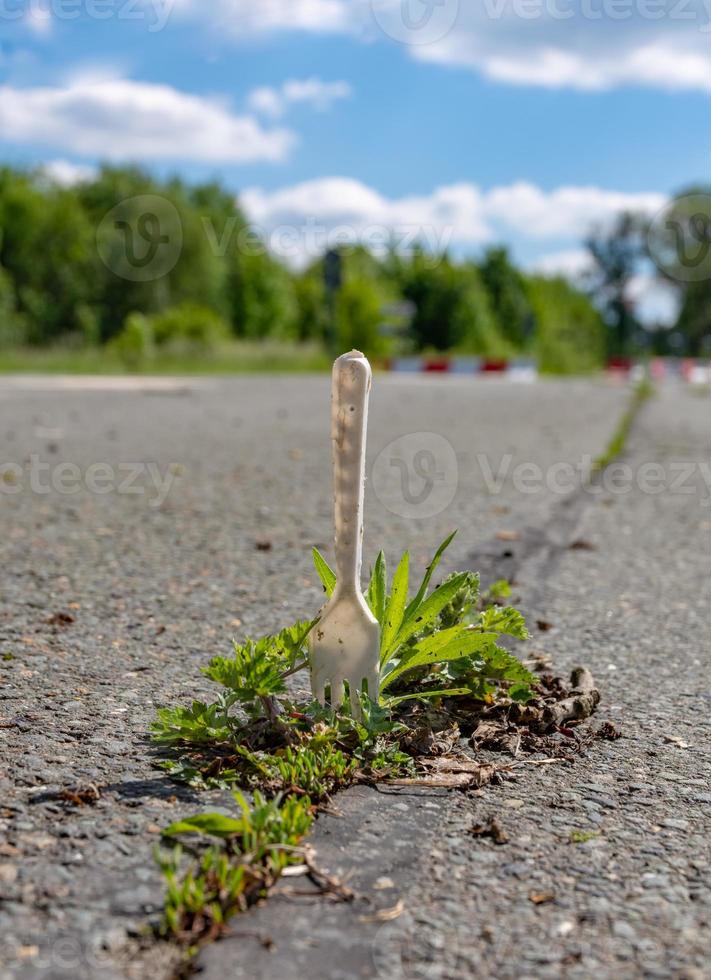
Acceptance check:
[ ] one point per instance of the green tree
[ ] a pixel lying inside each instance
(314, 314)
(117, 295)
(263, 302)
(617, 254)
(507, 294)
(694, 322)
(12, 326)
(452, 307)
(192, 221)
(46, 247)
(311, 315)
(358, 317)
(570, 333)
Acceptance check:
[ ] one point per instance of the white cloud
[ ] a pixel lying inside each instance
(565, 211)
(301, 220)
(310, 91)
(244, 17)
(571, 263)
(602, 44)
(591, 46)
(67, 174)
(122, 119)
(654, 66)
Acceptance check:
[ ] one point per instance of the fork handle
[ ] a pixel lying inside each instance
(350, 390)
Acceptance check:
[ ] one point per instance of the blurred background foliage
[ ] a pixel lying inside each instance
(228, 301)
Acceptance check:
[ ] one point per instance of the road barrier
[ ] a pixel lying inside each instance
(521, 369)
(683, 369)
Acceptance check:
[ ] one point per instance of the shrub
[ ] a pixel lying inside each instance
(358, 317)
(570, 333)
(189, 325)
(134, 345)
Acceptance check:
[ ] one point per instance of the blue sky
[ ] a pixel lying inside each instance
(476, 121)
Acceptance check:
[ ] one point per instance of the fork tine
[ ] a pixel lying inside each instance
(356, 709)
(337, 690)
(318, 686)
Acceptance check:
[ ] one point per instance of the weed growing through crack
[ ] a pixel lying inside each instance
(225, 879)
(438, 648)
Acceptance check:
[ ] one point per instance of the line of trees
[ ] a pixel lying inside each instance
(673, 251)
(64, 278)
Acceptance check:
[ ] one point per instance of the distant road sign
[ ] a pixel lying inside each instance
(333, 270)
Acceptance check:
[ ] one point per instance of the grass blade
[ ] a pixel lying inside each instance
(431, 568)
(425, 614)
(213, 824)
(377, 590)
(395, 608)
(325, 572)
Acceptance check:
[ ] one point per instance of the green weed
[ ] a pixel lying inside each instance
(226, 878)
(437, 645)
(583, 836)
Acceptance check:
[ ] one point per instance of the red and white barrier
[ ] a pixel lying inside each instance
(696, 372)
(521, 369)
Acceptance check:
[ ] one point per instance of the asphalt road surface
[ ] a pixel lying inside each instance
(143, 523)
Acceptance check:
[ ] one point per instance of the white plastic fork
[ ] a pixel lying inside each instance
(345, 643)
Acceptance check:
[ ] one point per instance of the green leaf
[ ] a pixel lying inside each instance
(458, 609)
(520, 692)
(431, 568)
(506, 620)
(258, 667)
(290, 643)
(395, 608)
(501, 665)
(452, 644)
(377, 589)
(254, 671)
(212, 824)
(184, 772)
(325, 572)
(426, 614)
(199, 724)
